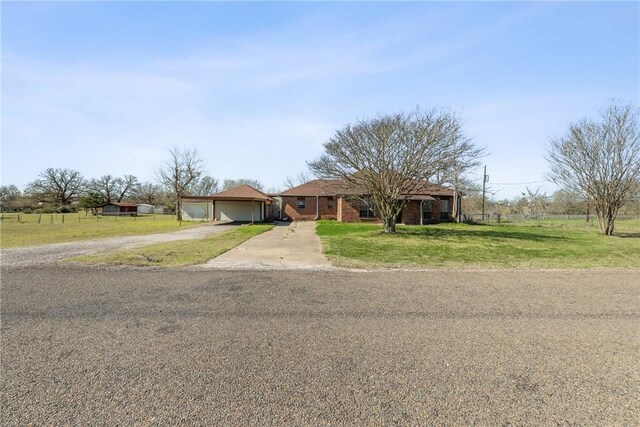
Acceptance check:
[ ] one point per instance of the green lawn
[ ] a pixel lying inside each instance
(180, 253)
(564, 245)
(79, 227)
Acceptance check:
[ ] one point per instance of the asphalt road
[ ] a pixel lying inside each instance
(91, 347)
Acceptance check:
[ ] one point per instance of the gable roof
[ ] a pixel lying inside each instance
(320, 187)
(335, 187)
(120, 204)
(242, 192)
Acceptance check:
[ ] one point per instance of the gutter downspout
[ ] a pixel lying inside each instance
(317, 208)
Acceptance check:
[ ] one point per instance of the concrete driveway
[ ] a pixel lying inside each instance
(287, 246)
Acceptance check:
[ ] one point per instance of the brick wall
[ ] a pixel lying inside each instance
(411, 213)
(291, 210)
(350, 210)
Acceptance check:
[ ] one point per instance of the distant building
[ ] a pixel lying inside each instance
(144, 208)
(118, 208)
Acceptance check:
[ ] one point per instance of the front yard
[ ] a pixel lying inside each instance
(34, 229)
(469, 246)
(179, 253)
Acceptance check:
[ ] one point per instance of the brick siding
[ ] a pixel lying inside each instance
(308, 213)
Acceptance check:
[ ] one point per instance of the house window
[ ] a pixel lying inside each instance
(427, 210)
(329, 202)
(300, 202)
(367, 210)
(444, 209)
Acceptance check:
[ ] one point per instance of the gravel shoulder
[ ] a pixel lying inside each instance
(51, 254)
(319, 348)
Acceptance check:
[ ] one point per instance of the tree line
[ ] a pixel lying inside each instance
(67, 190)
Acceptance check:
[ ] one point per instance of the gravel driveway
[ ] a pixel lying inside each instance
(50, 254)
(209, 348)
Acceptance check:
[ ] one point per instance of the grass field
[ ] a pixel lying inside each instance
(558, 244)
(177, 254)
(51, 229)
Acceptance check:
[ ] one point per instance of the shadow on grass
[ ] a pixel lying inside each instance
(483, 231)
(627, 235)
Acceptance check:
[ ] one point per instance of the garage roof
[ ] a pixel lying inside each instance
(243, 192)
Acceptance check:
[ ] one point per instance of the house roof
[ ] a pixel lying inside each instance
(334, 187)
(320, 187)
(121, 204)
(242, 192)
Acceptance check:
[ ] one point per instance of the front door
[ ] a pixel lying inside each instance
(427, 214)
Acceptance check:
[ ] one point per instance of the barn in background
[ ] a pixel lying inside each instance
(118, 208)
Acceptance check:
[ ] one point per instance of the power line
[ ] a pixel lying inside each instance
(519, 183)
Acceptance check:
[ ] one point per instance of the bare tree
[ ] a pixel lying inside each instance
(600, 159)
(387, 158)
(57, 186)
(127, 187)
(179, 172)
(149, 192)
(299, 179)
(205, 186)
(567, 202)
(535, 203)
(114, 189)
(231, 183)
(105, 186)
(9, 197)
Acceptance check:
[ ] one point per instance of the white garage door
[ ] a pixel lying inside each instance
(196, 211)
(238, 211)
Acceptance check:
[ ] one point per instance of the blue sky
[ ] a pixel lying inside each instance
(107, 88)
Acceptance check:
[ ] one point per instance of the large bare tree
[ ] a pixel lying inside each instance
(600, 159)
(205, 186)
(299, 179)
(179, 172)
(231, 183)
(149, 192)
(57, 186)
(114, 189)
(387, 158)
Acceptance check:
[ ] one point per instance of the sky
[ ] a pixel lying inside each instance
(257, 88)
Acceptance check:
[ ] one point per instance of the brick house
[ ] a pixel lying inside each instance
(337, 200)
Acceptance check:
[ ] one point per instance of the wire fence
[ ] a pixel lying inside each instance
(494, 218)
(79, 217)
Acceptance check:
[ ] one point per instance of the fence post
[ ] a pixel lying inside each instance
(51, 219)
(63, 218)
(39, 218)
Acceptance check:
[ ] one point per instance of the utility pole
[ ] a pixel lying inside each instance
(485, 178)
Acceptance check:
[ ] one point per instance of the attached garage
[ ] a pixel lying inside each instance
(195, 208)
(228, 210)
(242, 204)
